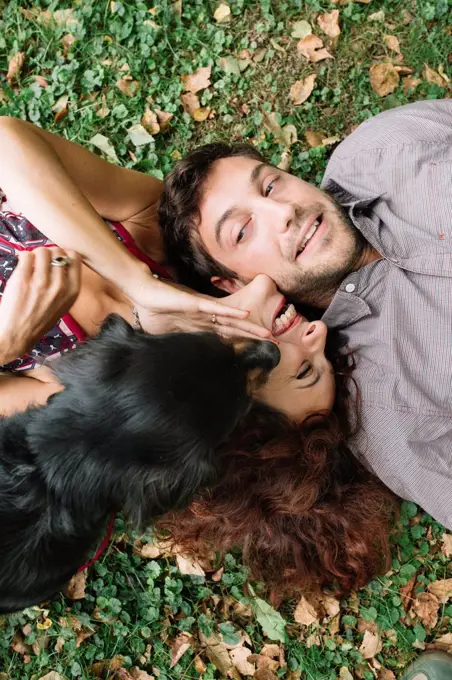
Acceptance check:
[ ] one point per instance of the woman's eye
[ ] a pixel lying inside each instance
(306, 370)
(241, 234)
(269, 188)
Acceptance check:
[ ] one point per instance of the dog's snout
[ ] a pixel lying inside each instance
(261, 354)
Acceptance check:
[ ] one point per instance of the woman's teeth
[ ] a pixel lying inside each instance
(284, 321)
(309, 234)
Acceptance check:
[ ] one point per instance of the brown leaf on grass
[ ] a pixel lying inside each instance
(101, 669)
(426, 607)
(18, 645)
(43, 82)
(392, 43)
(301, 90)
(444, 642)
(286, 135)
(265, 673)
(180, 645)
(384, 78)
(68, 40)
(59, 645)
(329, 23)
(127, 85)
(15, 66)
(192, 106)
(344, 674)
(406, 592)
(433, 77)
(370, 645)
(442, 589)
(200, 666)
(75, 589)
(199, 80)
(222, 13)
(217, 575)
(138, 674)
(331, 604)
(53, 675)
(150, 122)
(151, 551)
(446, 548)
(189, 566)
(163, 118)
(305, 613)
(313, 138)
(63, 17)
(102, 110)
(239, 657)
(217, 653)
(385, 674)
(312, 49)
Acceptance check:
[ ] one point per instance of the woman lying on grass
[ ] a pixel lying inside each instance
(292, 495)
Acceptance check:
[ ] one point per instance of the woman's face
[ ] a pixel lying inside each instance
(303, 382)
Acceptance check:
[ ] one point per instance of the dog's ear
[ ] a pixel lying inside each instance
(115, 328)
(259, 357)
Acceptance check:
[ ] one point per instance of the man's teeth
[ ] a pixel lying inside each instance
(286, 319)
(309, 234)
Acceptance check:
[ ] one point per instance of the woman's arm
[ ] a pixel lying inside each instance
(63, 189)
(17, 393)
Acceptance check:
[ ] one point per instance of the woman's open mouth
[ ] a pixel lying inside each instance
(286, 317)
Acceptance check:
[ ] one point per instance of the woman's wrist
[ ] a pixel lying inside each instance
(136, 280)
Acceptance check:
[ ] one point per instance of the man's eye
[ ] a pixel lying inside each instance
(269, 188)
(306, 370)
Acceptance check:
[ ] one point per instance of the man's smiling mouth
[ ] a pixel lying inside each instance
(311, 230)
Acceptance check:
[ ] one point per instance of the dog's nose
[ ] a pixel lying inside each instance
(261, 354)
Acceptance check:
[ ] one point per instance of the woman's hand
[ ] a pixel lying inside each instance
(36, 295)
(167, 307)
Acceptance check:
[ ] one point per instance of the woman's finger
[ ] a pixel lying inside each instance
(239, 326)
(41, 273)
(75, 271)
(213, 307)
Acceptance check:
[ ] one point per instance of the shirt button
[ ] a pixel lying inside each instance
(350, 287)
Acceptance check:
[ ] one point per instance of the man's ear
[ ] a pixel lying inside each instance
(227, 285)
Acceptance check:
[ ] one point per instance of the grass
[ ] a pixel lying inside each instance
(135, 610)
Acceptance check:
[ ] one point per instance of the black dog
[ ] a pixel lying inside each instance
(134, 430)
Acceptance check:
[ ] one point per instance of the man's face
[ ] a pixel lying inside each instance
(258, 219)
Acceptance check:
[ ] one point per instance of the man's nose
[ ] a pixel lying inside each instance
(280, 215)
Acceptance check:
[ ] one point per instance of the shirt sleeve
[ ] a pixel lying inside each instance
(412, 455)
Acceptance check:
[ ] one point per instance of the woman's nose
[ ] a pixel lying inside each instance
(314, 337)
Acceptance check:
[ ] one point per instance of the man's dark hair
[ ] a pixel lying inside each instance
(179, 212)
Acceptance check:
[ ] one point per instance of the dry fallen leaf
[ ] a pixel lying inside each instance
(127, 85)
(138, 135)
(444, 642)
(312, 49)
(150, 122)
(67, 40)
(101, 669)
(53, 675)
(329, 23)
(189, 566)
(199, 80)
(285, 161)
(152, 550)
(385, 674)
(409, 85)
(180, 645)
(222, 13)
(103, 144)
(286, 135)
(377, 16)
(18, 645)
(199, 665)
(433, 77)
(138, 674)
(313, 138)
(392, 43)
(239, 657)
(384, 78)
(217, 653)
(15, 66)
(446, 547)
(344, 674)
(305, 613)
(442, 589)
(102, 110)
(426, 607)
(301, 29)
(60, 108)
(43, 82)
(163, 118)
(370, 645)
(331, 604)
(75, 589)
(301, 90)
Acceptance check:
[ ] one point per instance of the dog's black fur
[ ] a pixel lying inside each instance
(135, 430)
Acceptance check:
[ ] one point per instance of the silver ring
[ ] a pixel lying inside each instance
(214, 319)
(60, 261)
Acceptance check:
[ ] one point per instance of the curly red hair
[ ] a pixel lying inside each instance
(304, 510)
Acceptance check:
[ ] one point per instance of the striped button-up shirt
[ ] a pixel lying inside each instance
(394, 177)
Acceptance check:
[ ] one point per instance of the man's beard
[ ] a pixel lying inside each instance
(317, 288)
